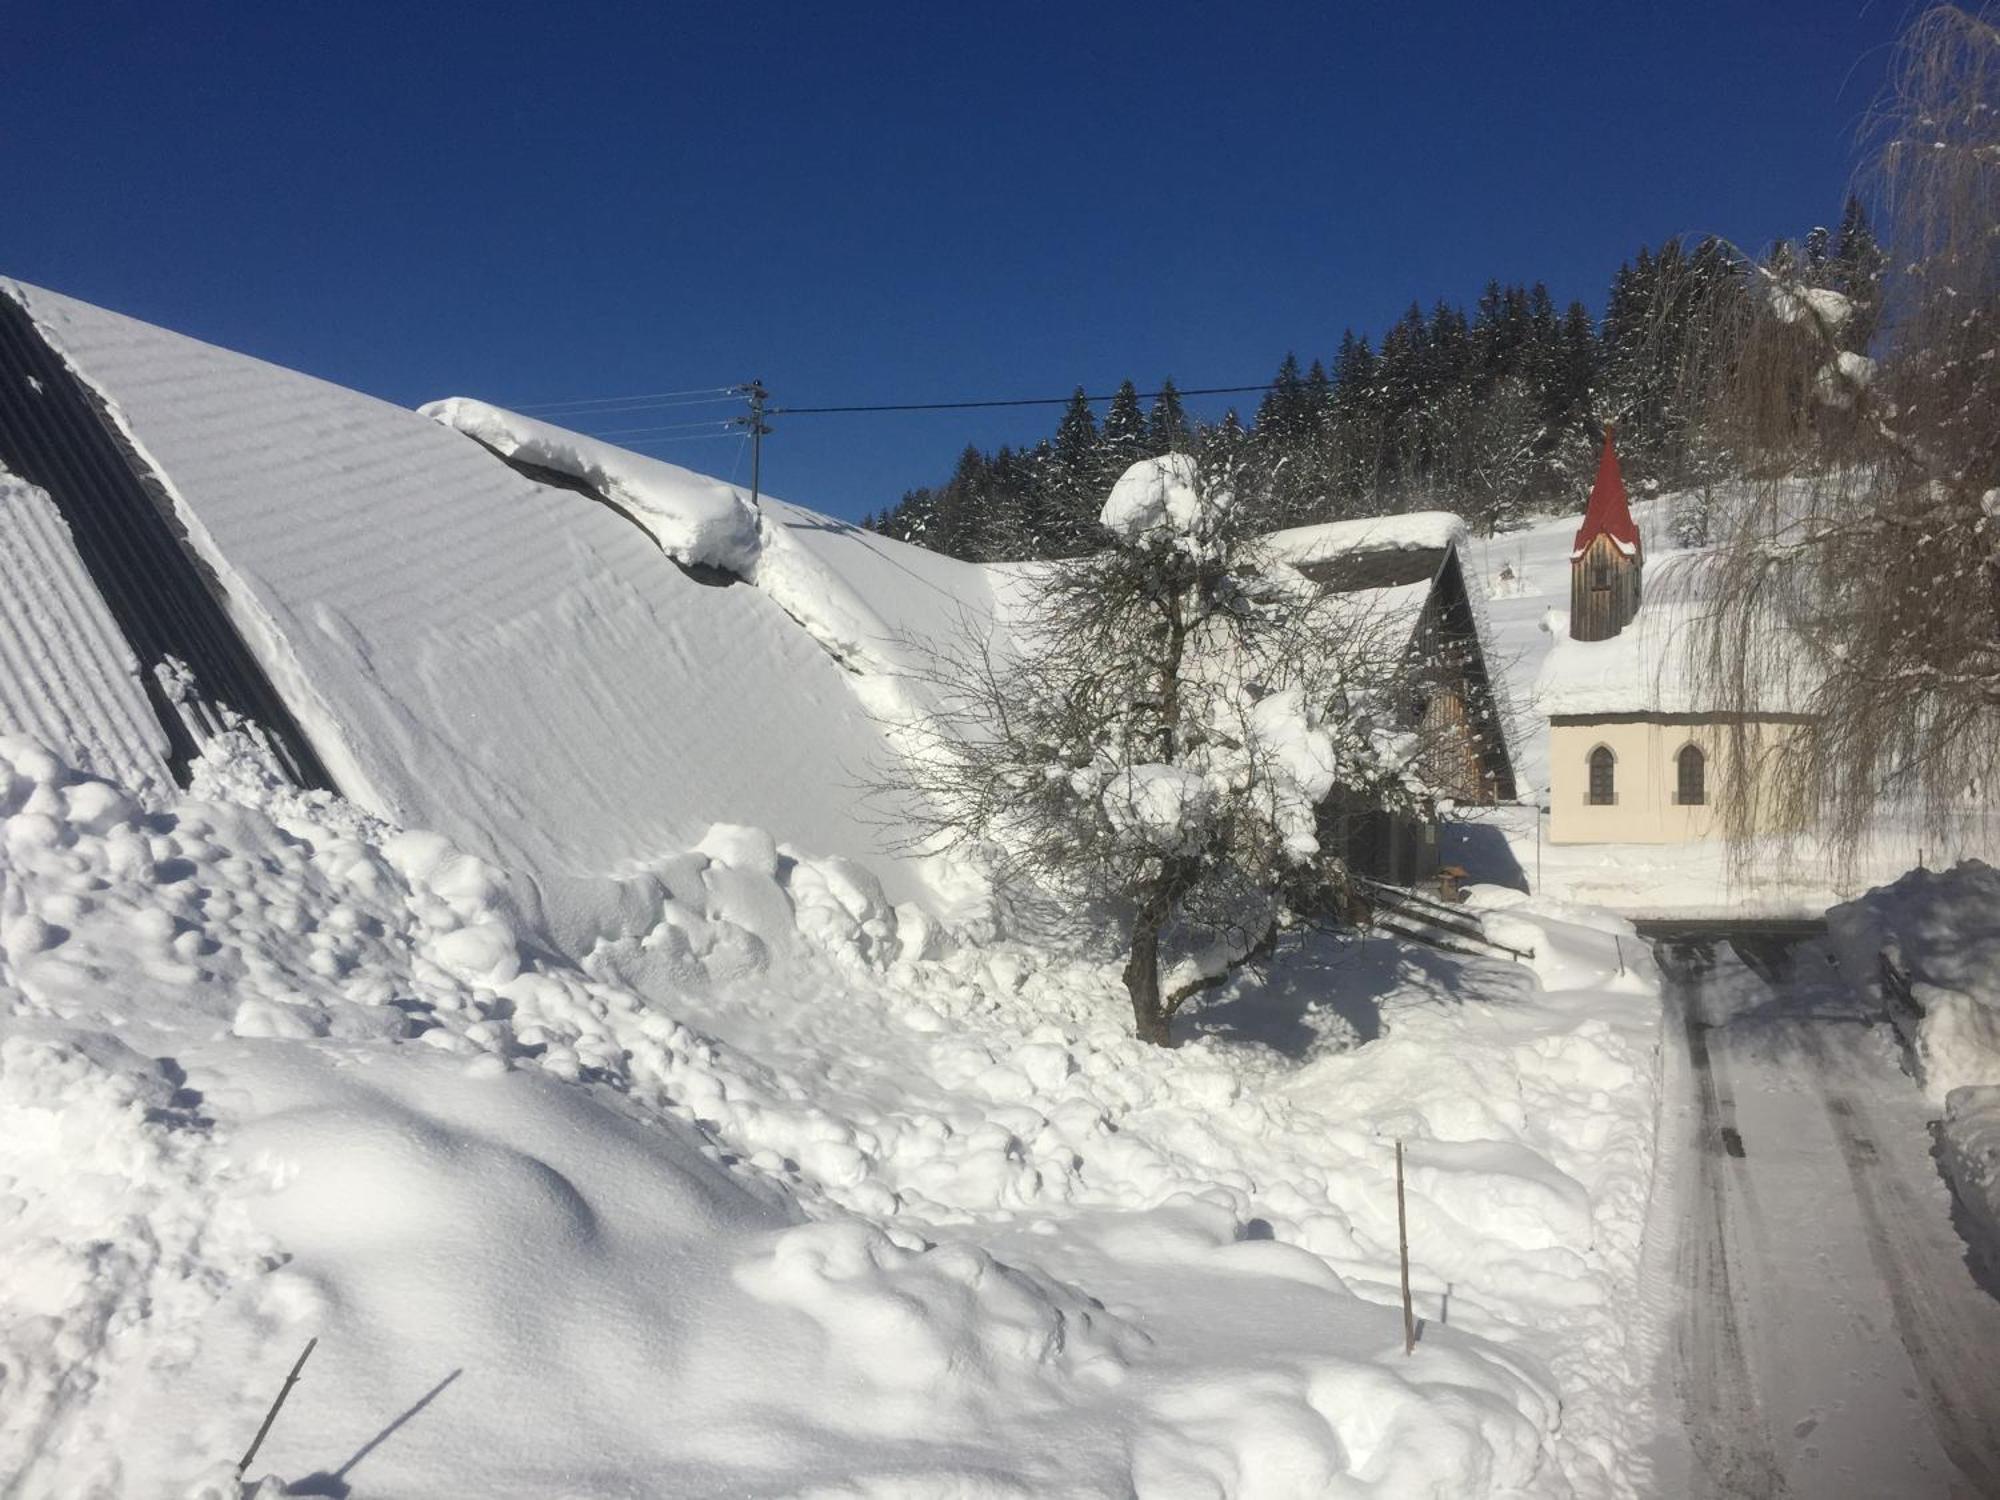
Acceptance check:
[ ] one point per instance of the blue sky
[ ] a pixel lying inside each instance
(882, 203)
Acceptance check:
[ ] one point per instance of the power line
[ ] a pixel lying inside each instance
(600, 406)
(712, 392)
(691, 437)
(669, 427)
(1210, 390)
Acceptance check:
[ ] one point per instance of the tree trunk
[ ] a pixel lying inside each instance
(1142, 971)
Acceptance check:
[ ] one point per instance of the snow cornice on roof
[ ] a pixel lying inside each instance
(1418, 531)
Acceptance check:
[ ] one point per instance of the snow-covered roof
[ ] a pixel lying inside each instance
(1422, 530)
(67, 677)
(475, 652)
(1386, 619)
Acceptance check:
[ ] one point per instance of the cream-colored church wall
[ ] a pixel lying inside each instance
(1646, 777)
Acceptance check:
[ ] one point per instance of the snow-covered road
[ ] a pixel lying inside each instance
(1825, 1336)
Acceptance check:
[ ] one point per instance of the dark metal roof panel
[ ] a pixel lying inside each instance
(55, 434)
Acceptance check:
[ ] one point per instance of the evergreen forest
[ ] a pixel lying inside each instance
(1495, 413)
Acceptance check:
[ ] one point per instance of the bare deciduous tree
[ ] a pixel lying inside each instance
(1860, 574)
(1157, 729)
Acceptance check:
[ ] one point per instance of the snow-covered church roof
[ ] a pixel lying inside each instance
(1653, 666)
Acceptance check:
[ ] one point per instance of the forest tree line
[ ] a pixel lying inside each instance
(1495, 414)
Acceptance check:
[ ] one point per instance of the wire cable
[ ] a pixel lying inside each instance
(691, 437)
(712, 392)
(1210, 390)
(670, 427)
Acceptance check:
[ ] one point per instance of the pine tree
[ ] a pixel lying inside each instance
(1125, 428)
(1814, 256)
(1074, 479)
(1856, 272)
(1167, 429)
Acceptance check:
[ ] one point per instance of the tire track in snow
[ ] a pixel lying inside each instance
(1950, 1357)
(1731, 1443)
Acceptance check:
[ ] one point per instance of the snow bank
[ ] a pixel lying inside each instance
(370, 1130)
(1941, 930)
(695, 519)
(1971, 1154)
(900, 1219)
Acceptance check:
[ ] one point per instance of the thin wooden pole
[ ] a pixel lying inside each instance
(1403, 1246)
(272, 1415)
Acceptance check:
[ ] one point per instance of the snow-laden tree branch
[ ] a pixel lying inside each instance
(1156, 730)
(1863, 560)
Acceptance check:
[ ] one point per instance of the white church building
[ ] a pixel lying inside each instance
(1638, 752)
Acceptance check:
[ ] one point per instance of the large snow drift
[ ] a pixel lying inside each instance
(271, 1068)
(1940, 930)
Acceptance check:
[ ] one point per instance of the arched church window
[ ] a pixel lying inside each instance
(1603, 786)
(1600, 569)
(1691, 777)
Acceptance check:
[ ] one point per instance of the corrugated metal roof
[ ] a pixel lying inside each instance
(55, 434)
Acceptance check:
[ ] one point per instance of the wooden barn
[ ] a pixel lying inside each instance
(1402, 581)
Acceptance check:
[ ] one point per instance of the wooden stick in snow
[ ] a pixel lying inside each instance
(271, 1416)
(1403, 1245)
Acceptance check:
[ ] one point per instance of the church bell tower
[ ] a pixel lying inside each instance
(1606, 559)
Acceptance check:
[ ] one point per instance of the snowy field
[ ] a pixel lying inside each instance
(624, 1118)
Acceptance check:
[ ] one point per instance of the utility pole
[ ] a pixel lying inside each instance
(755, 422)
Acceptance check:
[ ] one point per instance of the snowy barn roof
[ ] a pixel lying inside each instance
(1608, 514)
(477, 651)
(1378, 551)
(1397, 586)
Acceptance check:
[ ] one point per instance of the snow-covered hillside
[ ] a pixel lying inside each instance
(624, 1116)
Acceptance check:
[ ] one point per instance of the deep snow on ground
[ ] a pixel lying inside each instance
(1941, 930)
(655, 1125)
(840, 1208)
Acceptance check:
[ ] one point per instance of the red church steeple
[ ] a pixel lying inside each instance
(1608, 513)
(1606, 559)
